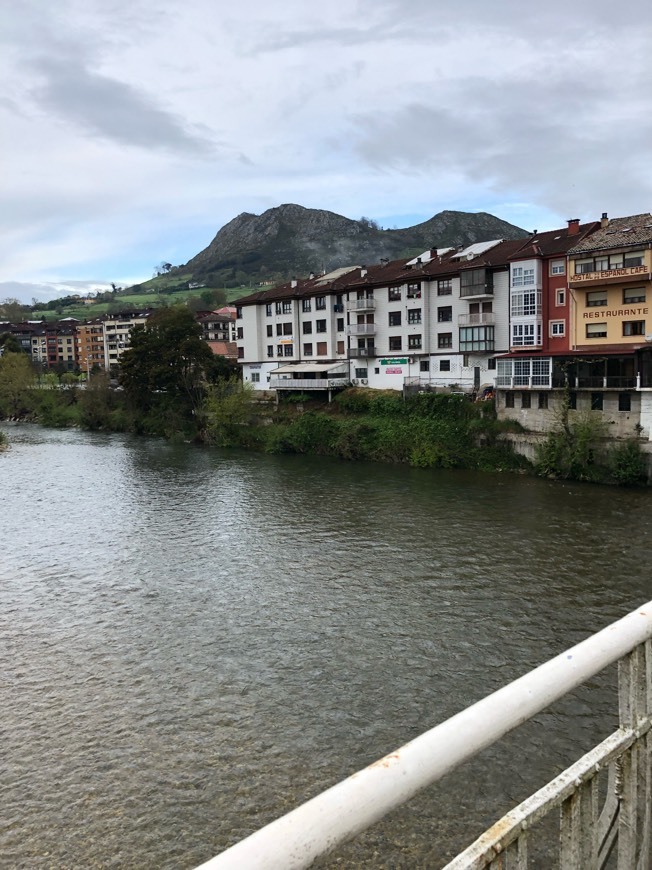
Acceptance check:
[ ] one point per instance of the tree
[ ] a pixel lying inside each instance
(16, 378)
(167, 365)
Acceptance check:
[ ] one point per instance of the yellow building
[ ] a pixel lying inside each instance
(610, 283)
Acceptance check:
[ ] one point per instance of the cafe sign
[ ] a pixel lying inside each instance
(393, 362)
(607, 274)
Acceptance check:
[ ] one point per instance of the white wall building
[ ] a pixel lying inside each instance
(434, 321)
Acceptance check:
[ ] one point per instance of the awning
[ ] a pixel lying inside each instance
(331, 368)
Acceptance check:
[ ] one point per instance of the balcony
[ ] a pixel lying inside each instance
(308, 383)
(484, 318)
(476, 284)
(366, 304)
(361, 329)
(361, 352)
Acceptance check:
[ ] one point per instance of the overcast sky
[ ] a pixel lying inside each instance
(132, 130)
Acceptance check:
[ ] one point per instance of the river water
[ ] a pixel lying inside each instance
(193, 641)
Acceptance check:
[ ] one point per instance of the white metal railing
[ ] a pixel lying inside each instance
(307, 383)
(588, 835)
(361, 329)
(366, 304)
(481, 319)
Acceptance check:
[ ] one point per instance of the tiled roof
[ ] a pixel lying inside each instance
(554, 242)
(619, 233)
(229, 349)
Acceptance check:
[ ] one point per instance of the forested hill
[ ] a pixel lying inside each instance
(293, 240)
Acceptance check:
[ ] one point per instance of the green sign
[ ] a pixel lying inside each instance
(393, 362)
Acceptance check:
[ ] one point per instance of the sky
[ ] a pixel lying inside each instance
(132, 130)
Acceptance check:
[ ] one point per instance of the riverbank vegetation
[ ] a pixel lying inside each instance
(171, 385)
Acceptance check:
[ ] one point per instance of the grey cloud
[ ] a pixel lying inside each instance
(111, 109)
(552, 138)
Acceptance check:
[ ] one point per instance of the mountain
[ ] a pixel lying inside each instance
(293, 240)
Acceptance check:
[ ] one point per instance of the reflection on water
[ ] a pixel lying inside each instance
(193, 641)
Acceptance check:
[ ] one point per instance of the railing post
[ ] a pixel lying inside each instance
(635, 690)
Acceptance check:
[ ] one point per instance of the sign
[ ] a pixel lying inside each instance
(252, 367)
(393, 370)
(393, 362)
(608, 273)
(599, 313)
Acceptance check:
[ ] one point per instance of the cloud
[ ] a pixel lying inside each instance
(110, 108)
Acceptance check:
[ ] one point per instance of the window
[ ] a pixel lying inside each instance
(321, 348)
(522, 334)
(414, 342)
(634, 294)
(268, 309)
(477, 338)
(307, 327)
(526, 400)
(596, 401)
(491, 364)
(238, 314)
(634, 327)
(278, 308)
(414, 291)
(320, 303)
(279, 350)
(444, 287)
(255, 377)
(596, 298)
(240, 353)
(634, 258)
(583, 267)
(340, 324)
(543, 401)
(414, 315)
(394, 294)
(279, 329)
(270, 330)
(361, 373)
(287, 308)
(424, 365)
(509, 400)
(288, 350)
(320, 326)
(557, 328)
(558, 267)
(394, 318)
(444, 365)
(526, 304)
(287, 329)
(522, 277)
(445, 339)
(476, 282)
(306, 305)
(240, 332)
(395, 342)
(307, 350)
(596, 330)
(444, 314)
(572, 401)
(560, 297)
(624, 401)
(340, 347)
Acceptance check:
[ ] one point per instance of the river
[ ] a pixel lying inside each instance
(196, 640)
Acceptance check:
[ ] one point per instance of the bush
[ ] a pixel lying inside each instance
(628, 464)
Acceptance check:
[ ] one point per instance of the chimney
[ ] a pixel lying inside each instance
(293, 282)
(363, 271)
(573, 226)
(604, 220)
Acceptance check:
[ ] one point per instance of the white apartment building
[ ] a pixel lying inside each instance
(117, 328)
(433, 321)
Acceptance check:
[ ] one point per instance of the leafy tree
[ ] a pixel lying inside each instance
(167, 365)
(10, 344)
(16, 378)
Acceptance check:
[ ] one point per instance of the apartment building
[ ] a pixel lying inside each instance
(596, 333)
(90, 345)
(432, 321)
(117, 327)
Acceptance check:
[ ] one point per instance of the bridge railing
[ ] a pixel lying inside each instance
(589, 834)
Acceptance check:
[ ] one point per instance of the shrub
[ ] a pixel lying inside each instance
(628, 464)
